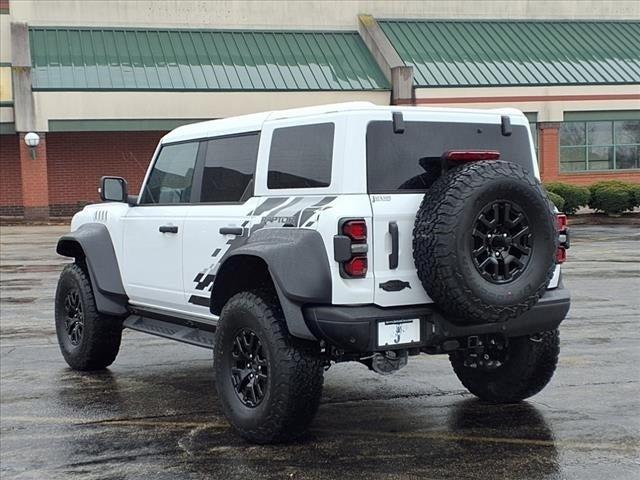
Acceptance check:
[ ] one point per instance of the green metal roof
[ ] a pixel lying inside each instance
(508, 53)
(135, 59)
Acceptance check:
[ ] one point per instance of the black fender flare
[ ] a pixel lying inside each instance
(298, 265)
(92, 242)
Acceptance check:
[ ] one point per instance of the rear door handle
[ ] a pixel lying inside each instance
(393, 256)
(168, 229)
(231, 230)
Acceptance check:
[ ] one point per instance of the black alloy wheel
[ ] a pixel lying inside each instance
(74, 317)
(250, 369)
(501, 242)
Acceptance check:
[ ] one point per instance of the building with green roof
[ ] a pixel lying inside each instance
(101, 84)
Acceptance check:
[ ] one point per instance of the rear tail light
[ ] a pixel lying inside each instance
(350, 248)
(356, 230)
(356, 267)
(562, 221)
(462, 156)
(563, 234)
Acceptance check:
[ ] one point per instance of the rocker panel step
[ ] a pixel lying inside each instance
(174, 331)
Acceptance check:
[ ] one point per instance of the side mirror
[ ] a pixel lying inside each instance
(113, 189)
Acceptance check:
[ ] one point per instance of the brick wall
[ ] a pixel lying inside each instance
(10, 181)
(77, 160)
(33, 169)
(587, 178)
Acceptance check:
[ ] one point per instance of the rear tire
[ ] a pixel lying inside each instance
(528, 367)
(269, 383)
(88, 340)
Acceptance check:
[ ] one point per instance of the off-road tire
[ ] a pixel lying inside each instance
(443, 242)
(99, 342)
(528, 368)
(295, 371)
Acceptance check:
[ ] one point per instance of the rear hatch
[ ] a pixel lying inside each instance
(397, 182)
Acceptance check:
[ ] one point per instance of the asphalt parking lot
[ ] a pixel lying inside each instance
(154, 413)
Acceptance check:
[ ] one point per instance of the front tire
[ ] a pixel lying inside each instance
(526, 367)
(88, 340)
(269, 383)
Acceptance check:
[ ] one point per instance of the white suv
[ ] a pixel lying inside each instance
(288, 240)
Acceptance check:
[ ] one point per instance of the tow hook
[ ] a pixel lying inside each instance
(485, 353)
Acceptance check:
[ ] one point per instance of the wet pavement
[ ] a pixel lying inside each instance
(154, 413)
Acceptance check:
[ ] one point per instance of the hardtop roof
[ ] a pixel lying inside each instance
(255, 121)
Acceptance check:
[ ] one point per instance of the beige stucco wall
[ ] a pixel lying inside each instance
(302, 13)
(187, 105)
(193, 105)
(6, 94)
(547, 110)
(5, 38)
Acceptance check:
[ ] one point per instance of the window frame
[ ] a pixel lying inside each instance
(586, 146)
(198, 174)
(153, 165)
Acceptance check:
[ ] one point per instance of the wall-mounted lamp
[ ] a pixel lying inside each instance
(32, 140)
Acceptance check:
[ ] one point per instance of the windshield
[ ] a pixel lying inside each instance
(397, 162)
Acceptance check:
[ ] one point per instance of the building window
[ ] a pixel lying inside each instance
(599, 145)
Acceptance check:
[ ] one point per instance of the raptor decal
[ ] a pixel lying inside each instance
(301, 212)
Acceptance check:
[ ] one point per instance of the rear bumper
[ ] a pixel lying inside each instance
(354, 328)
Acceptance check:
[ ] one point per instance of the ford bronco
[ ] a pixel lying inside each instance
(286, 241)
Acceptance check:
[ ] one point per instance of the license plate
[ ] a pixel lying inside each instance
(398, 332)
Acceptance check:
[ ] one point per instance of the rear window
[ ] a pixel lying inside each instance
(394, 159)
(301, 156)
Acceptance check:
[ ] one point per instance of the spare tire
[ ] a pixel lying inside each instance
(485, 241)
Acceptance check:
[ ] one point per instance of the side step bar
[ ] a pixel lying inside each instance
(174, 331)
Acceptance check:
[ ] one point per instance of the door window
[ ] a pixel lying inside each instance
(171, 177)
(229, 168)
(301, 156)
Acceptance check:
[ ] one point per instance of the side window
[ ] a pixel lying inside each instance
(301, 156)
(229, 167)
(172, 174)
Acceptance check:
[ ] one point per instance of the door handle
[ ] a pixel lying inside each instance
(168, 229)
(231, 230)
(393, 256)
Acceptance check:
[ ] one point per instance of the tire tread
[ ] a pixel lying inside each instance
(520, 378)
(297, 388)
(435, 232)
(102, 334)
